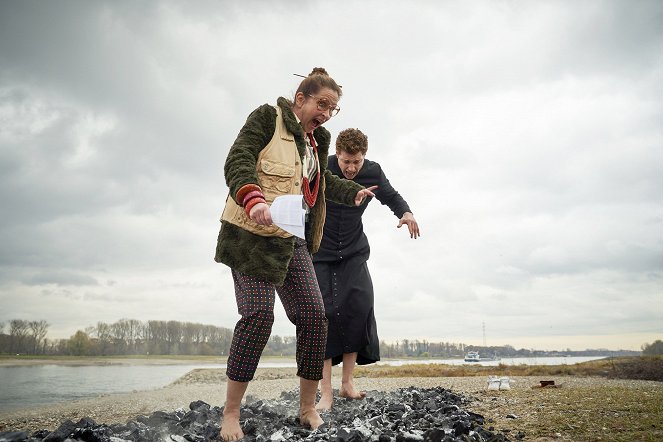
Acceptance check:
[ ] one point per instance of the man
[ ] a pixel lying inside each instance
(341, 269)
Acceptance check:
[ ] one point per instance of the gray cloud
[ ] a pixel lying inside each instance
(60, 278)
(525, 136)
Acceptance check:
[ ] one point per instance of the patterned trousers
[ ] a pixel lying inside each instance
(302, 301)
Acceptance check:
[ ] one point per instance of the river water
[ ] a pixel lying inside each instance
(566, 360)
(35, 385)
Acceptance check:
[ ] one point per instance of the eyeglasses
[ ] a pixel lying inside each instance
(325, 106)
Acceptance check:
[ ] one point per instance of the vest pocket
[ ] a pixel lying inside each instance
(275, 178)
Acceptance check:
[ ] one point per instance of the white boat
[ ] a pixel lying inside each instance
(472, 356)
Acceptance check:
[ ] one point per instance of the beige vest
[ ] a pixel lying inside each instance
(279, 170)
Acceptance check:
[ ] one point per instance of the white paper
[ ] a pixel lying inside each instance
(288, 213)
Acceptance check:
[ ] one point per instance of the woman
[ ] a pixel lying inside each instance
(280, 150)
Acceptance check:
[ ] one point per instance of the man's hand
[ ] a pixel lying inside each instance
(412, 225)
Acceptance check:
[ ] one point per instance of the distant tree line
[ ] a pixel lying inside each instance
(22, 336)
(445, 350)
(131, 337)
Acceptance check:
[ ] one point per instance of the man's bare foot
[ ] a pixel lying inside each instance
(349, 392)
(310, 417)
(325, 403)
(230, 428)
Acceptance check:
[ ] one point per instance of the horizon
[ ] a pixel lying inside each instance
(552, 344)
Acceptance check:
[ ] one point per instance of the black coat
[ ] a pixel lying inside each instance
(342, 272)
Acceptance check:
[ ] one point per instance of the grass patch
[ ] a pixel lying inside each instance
(600, 413)
(628, 367)
(624, 410)
(644, 367)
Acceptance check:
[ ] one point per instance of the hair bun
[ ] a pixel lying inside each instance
(318, 71)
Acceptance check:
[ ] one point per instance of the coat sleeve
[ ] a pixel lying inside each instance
(340, 190)
(240, 166)
(389, 196)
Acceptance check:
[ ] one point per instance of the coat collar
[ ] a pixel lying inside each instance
(289, 118)
(321, 134)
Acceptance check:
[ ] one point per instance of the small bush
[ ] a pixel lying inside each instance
(648, 368)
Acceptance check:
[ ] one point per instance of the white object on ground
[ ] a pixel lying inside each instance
(504, 383)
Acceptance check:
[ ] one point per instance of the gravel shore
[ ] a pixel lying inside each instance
(207, 384)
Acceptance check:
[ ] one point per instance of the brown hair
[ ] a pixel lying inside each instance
(316, 80)
(352, 141)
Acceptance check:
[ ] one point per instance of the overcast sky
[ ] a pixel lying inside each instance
(527, 137)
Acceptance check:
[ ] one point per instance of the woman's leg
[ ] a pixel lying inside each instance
(302, 301)
(255, 302)
(347, 389)
(326, 390)
(303, 305)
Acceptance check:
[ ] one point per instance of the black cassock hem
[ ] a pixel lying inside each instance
(347, 291)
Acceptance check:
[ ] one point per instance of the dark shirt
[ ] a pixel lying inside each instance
(344, 231)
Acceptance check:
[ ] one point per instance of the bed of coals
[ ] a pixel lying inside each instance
(405, 415)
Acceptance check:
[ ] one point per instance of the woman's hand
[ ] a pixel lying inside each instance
(260, 214)
(363, 193)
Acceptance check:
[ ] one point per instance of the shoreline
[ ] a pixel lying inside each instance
(22, 361)
(583, 405)
(208, 385)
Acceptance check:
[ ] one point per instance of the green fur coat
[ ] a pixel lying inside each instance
(263, 256)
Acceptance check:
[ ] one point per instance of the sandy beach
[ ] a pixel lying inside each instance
(528, 404)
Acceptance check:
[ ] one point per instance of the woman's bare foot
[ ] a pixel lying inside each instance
(348, 391)
(310, 417)
(230, 428)
(325, 402)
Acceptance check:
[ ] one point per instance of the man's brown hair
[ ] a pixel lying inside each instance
(352, 141)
